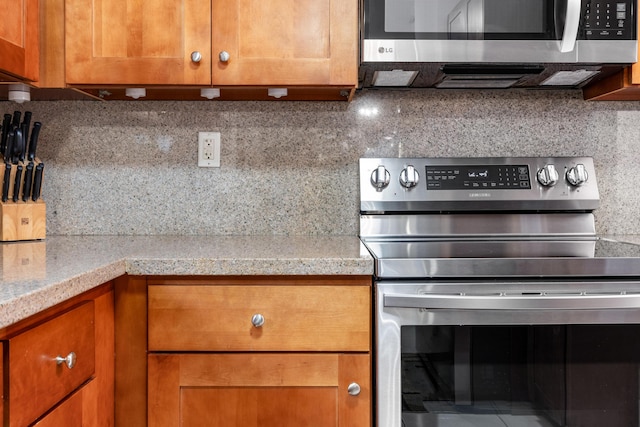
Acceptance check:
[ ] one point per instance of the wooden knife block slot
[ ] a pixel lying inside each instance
(22, 220)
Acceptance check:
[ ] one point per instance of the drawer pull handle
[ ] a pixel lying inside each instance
(353, 389)
(257, 320)
(70, 360)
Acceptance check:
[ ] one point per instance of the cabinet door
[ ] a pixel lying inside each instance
(266, 390)
(285, 42)
(132, 42)
(19, 38)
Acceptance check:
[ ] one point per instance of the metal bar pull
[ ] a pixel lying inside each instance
(571, 23)
(513, 302)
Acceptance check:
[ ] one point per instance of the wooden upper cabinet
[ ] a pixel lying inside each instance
(133, 42)
(306, 43)
(286, 42)
(19, 49)
(621, 86)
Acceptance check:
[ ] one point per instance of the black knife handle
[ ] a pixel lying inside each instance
(16, 119)
(33, 143)
(16, 184)
(26, 124)
(28, 180)
(25, 132)
(6, 125)
(5, 183)
(37, 182)
(8, 150)
(18, 145)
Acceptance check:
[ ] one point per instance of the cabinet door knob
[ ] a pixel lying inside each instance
(257, 320)
(196, 56)
(224, 56)
(353, 389)
(70, 360)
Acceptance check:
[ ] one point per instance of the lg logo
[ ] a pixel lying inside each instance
(385, 49)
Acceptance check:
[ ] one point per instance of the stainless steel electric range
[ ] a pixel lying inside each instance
(496, 304)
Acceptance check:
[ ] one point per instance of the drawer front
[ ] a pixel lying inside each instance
(37, 381)
(295, 318)
(67, 414)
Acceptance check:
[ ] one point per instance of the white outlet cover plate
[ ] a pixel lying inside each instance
(209, 149)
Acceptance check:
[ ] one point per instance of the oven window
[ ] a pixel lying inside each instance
(504, 376)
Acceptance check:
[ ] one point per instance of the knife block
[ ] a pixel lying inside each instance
(22, 220)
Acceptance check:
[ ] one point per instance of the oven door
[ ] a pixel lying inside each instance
(494, 353)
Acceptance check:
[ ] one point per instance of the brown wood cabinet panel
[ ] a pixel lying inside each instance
(19, 49)
(68, 413)
(130, 42)
(286, 42)
(2, 381)
(259, 406)
(100, 392)
(131, 351)
(80, 409)
(618, 87)
(296, 318)
(36, 381)
(266, 390)
(51, 44)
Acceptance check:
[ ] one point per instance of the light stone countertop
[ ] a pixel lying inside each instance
(39, 275)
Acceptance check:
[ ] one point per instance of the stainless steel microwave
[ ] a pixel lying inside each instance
(513, 32)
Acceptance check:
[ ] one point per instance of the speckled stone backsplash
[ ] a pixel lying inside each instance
(291, 168)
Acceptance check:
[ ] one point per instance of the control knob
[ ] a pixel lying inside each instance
(380, 178)
(577, 175)
(548, 175)
(409, 177)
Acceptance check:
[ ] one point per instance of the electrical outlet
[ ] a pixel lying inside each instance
(209, 149)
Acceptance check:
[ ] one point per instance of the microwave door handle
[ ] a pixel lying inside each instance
(513, 302)
(571, 23)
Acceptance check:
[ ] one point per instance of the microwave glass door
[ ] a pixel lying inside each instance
(463, 19)
(525, 376)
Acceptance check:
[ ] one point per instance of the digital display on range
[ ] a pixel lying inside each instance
(492, 177)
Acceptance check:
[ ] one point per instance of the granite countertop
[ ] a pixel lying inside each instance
(38, 275)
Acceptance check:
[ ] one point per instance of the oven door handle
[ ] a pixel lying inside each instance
(513, 302)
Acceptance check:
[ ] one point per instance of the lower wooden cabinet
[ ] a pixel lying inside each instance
(58, 366)
(259, 390)
(259, 352)
(48, 362)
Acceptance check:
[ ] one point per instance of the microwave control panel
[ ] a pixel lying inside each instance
(608, 20)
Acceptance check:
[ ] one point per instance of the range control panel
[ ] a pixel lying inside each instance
(467, 184)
